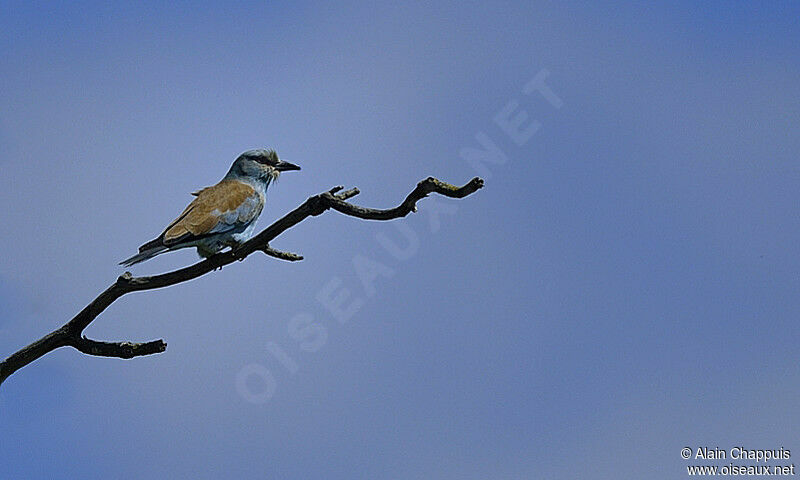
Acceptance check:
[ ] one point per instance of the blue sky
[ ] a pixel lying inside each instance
(624, 286)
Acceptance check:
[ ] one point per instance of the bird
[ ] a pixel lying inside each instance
(222, 215)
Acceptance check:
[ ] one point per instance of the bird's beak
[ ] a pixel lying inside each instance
(283, 166)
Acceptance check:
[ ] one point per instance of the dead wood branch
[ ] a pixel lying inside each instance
(71, 334)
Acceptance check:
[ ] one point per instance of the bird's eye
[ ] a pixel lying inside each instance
(267, 158)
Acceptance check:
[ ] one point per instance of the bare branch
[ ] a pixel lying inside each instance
(71, 333)
(292, 257)
(425, 187)
(118, 349)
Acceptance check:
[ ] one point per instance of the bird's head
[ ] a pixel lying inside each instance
(260, 164)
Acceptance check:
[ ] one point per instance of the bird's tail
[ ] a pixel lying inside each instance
(144, 254)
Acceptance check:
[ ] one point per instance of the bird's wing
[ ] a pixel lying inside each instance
(226, 206)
